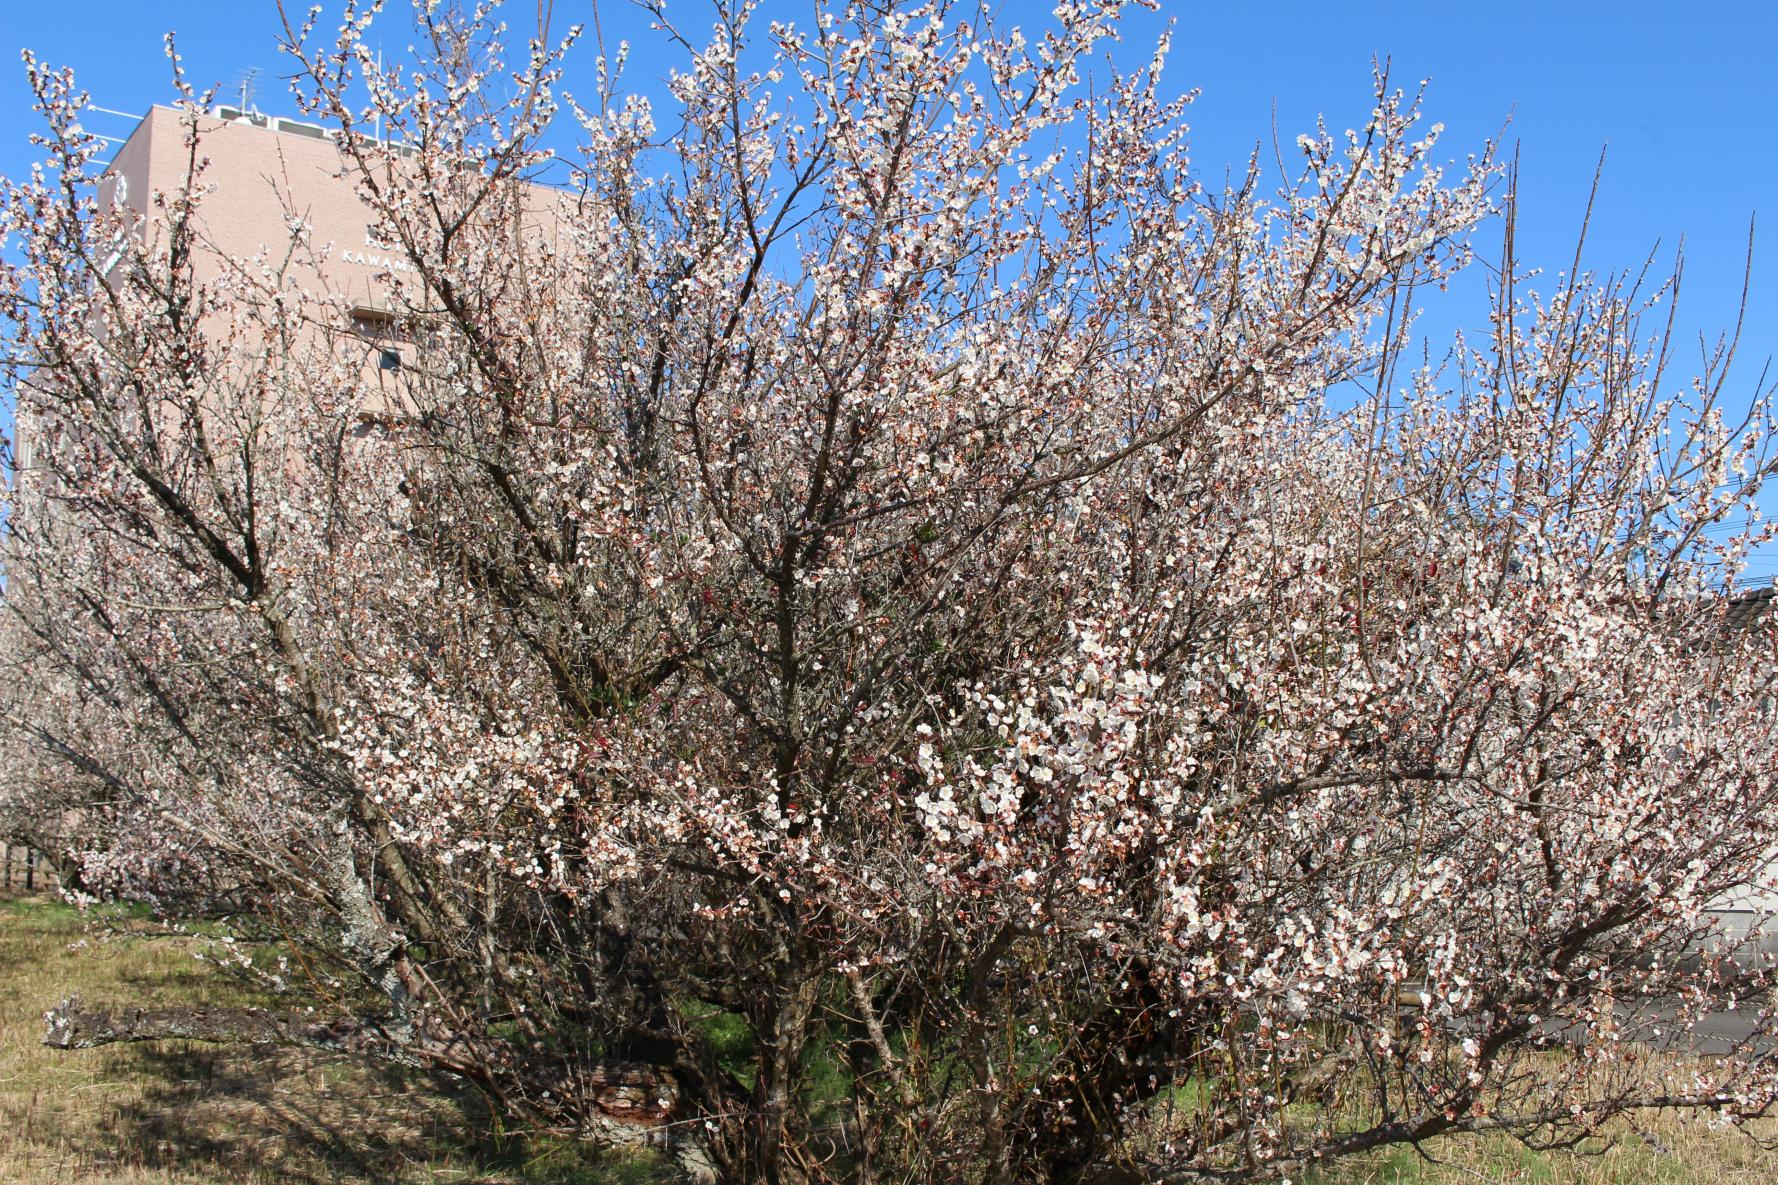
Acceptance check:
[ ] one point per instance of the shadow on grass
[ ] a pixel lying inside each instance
(308, 1120)
(195, 1114)
(217, 1106)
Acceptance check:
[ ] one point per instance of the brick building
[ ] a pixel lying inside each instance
(263, 172)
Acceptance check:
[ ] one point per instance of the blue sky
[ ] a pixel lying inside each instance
(1683, 98)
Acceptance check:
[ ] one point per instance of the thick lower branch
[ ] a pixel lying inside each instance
(72, 1025)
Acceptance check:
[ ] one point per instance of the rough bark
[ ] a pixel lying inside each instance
(72, 1025)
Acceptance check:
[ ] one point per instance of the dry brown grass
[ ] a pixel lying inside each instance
(1671, 1147)
(178, 1113)
(1666, 1149)
(185, 1114)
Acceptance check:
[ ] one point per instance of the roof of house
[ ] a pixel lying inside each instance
(1747, 609)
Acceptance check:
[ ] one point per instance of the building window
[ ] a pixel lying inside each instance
(389, 360)
(373, 324)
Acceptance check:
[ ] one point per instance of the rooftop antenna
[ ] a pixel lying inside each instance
(249, 76)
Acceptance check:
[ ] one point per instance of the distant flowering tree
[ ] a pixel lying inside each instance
(889, 633)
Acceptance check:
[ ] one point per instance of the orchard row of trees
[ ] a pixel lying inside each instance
(910, 639)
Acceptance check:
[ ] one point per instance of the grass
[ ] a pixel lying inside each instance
(1648, 1148)
(180, 1113)
(177, 1113)
(1661, 1150)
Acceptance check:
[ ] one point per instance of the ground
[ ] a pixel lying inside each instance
(187, 1114)
(176, 1113)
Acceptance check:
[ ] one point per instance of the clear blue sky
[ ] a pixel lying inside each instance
(1684, 98)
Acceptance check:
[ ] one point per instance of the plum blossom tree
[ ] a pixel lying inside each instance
(903, 636)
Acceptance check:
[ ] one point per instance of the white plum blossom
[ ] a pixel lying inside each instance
(891, 563)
